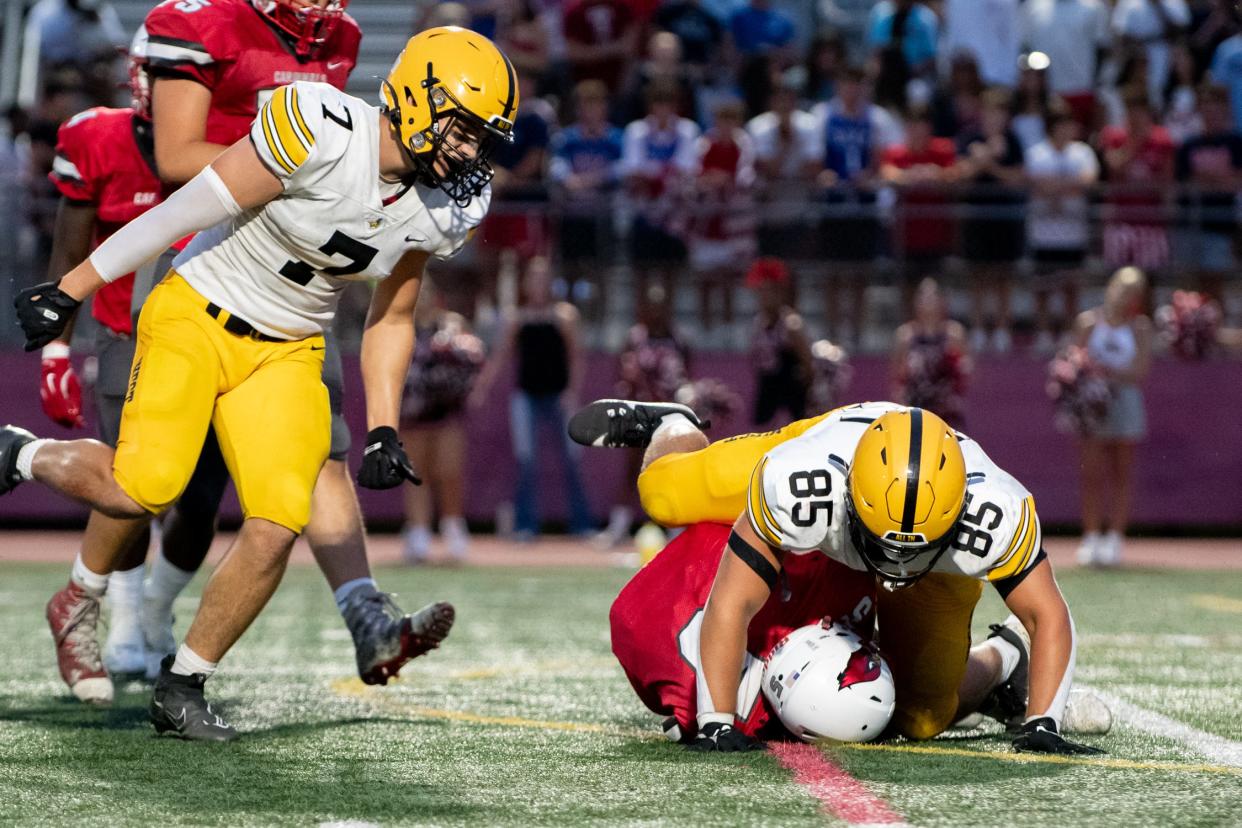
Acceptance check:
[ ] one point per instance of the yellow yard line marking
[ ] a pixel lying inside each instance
(1219, 603)
(1047, 759)
(354, 688)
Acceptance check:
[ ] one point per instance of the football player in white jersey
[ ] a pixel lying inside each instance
(325, 190)
(877, 487)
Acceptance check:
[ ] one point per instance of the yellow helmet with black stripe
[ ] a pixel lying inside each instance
(906, 492)
(452, 96)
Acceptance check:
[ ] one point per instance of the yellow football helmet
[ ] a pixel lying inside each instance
(451, 82)
(905, 494)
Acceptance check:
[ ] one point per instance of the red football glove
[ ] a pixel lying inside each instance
(59, 390)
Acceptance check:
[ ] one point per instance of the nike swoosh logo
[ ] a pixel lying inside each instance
(336, 64)
(319, 348)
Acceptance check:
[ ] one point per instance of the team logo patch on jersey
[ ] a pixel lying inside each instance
(863, 666)
(375, 223)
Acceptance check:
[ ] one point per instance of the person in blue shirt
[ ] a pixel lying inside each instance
(1227, 71)
(908, 25)
(584, 167)
(758, 28)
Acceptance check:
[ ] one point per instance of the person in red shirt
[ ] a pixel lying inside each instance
(600, 38)
(655, 624)
(921, 169)
(210, 65)
(1139, 160)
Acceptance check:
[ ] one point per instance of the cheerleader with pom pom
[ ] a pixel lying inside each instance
(931, 360)
(447, 359)
(1190, 324)
(1117, 337)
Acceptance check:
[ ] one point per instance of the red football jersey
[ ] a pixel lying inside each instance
(661, 605)
(106, 158)
(924, 234)
(227, 46)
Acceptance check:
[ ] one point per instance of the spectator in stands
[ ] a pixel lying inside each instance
(601, 36)
(447, 359)
(1118, 338)
(825, 58)
(921, 168)
(757, 28)
(1030, 101)
(656, 159)
(907, 28)
(1139, 160)
(721, 237)
(524, 39)
(993, 236)
(956, 105)
(990, 31)
(700, 33)
(1211, 164)
(1181, 105)
(585, 167)
(788, 156)
(1227, 71)
(1152, 26)
(542, 337)
(1212, 23)
(663, 65)
(780, 348)
(1072, 34)
(1062, 171)
(931, 360)
(85, 36)
(853, 135)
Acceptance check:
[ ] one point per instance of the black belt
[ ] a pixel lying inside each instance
(238, 326)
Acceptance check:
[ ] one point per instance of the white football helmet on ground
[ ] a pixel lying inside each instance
(824, 682)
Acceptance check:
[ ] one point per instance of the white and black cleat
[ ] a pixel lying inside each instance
(179, 709)
(12, 438)
(623, 423)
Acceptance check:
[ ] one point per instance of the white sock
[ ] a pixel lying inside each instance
(674, 425)
(1008, 653)
(164, 584)
(125, 596)
(92, 582)
(188, 662)
(25, 457)
(342, 593)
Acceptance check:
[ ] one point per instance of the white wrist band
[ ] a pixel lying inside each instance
(55, 350)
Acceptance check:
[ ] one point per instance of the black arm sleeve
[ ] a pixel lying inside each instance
(753, 558)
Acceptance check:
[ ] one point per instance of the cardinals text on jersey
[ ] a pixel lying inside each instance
(281, 267)
(106, 158)
(796, 501)
(229, 47)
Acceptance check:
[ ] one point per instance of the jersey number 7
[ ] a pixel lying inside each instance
(358, 253)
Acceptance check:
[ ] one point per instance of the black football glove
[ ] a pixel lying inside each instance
(384, 464)
(717, 737)
(43, 311)
(1041, 736)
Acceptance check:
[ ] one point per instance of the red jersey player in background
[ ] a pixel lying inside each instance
(211, 64)
(656, 619)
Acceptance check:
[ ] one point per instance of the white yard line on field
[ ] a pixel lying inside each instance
(1217, 748)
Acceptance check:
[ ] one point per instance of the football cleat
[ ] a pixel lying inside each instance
(73, 615)
(385, 639)
(1007, 701)
(124, 653)
(623, 423)
(179, 709)
(12, 439)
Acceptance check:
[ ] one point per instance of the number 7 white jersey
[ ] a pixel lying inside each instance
(797, 501)
(282, 267)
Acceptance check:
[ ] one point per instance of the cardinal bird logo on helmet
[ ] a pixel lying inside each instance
(863, 666)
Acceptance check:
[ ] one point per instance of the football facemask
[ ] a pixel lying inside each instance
(307, 23)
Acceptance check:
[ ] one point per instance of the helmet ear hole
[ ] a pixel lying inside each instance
(943, 459)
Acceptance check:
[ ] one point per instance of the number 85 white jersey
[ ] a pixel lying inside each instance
(797, 501)
(282, 267)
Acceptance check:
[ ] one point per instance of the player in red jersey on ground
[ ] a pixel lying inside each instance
(656, 620)
(211, 64)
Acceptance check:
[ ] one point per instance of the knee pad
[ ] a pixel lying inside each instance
(923, 721)
(156, 485)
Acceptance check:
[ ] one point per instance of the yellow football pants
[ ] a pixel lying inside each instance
(924, 628)
(266, 400)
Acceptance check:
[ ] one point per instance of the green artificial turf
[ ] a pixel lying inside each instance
(523, 718)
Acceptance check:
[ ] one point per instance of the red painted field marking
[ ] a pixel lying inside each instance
(839, 794)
